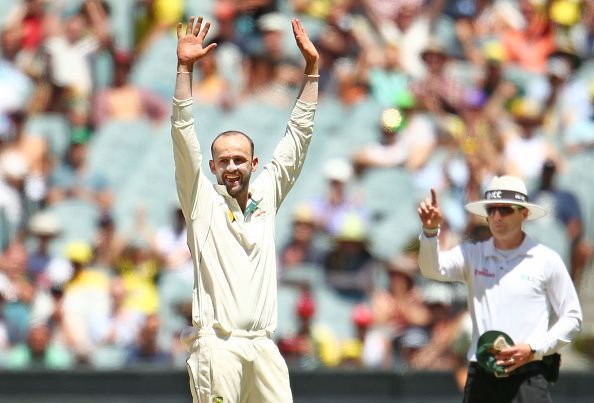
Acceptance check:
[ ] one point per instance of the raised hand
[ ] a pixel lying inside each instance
(429, 212)
(190, 45)
(307, 48)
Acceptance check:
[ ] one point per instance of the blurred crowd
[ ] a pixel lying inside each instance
(459, 91)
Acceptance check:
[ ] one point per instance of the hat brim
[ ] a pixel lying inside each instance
(479, 208)
(574, 59)
(434, 51)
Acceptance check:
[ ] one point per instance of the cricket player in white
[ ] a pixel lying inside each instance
(231, 236)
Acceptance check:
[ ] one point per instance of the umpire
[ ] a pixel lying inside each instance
(515, 287)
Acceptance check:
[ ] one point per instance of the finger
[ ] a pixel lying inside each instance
(512, 366)
(298, 30)
(197, 27)
(433, 197)
(428, 203)
(423, 207)
(210, 47)
(190, 25)
(507, 362)
(203, 33)
(179, 29)
(504, 355)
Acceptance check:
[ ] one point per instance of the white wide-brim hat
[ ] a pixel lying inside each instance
(506, 190)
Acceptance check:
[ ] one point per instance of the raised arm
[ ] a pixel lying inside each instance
(190, 48)
(436, 265)
(186, 149)
(289, 155)
(309, 90)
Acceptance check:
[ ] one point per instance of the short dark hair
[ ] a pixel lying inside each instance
(232, 133)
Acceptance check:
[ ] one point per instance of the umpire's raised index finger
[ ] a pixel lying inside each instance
(433, 197)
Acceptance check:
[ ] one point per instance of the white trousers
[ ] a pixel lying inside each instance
(237, 370)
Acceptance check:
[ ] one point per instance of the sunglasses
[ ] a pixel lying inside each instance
(504, 211)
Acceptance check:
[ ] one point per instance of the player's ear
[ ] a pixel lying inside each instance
(255, 162)
(211, 166)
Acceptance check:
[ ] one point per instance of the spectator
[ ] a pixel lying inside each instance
(108, 244)
(13, 172)
(407, 347)
(34, 149)
(153, 18)
(480, 33)
(15, 86)
(410, 24)
(349, 265)
(408, 139)
(138, 267)
(229, 54)
(529, 46)
(438, 91)
(582, 34)
(5, 293)
(70, 47)
(44, 227)
(567, 211)
(527, 148)
(146, 351)
(126, 101)
(331, 210)
(47, 307)
(85, 302)
(400, 306)
(438, 353)
(301, 350)
(170, 243)
(569, 102)
(122, 325)
(301, 247)
(367, 348)
(211, 87)
(19, 291)
(39, 352)
(73, 179)
(387, 82)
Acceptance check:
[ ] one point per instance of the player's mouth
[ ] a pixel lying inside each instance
(232, 180)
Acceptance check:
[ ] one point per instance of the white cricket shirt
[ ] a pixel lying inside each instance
(516, 294)
(234, 256)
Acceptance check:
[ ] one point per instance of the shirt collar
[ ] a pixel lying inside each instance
(524, 249)
(254, 198)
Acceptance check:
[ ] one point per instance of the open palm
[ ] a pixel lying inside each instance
(190, 45)
(307, 48)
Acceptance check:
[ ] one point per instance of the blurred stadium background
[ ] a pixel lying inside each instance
(95, 277)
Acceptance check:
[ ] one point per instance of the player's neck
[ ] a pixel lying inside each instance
(508, 243)
(242, 200)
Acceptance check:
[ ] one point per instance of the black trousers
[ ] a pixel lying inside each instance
(528, 385)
